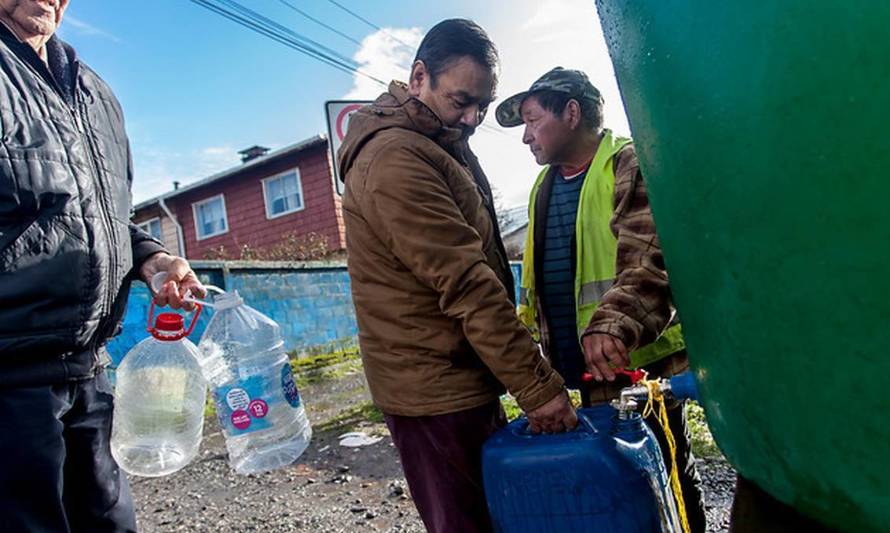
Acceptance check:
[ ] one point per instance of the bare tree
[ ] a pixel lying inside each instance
(505, 217)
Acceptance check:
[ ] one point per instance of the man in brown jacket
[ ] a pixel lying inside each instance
(594, 284)
(431, 283)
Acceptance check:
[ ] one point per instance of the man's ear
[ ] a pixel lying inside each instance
(572, 114)
(419, 76)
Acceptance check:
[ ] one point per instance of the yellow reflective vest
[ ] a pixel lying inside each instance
(596, 250)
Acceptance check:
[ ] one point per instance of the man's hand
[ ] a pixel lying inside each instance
(555, 416)
(601, 349)
(180, 280)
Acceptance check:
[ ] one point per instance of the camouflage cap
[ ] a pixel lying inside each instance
(574, 83)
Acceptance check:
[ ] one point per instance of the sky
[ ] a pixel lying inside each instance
(196, 87)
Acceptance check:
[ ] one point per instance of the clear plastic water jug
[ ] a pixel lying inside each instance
(257, 402)
(159, 401)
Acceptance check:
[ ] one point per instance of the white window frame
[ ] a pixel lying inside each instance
(145, 226)
(269, 215)
(195, 207)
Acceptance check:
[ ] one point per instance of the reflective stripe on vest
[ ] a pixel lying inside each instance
(593, 292)
(523, 296)
(596, 248)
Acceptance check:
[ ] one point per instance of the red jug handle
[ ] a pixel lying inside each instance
(635, 375)
(186, 332)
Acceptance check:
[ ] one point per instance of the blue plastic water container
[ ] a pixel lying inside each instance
(607, 476)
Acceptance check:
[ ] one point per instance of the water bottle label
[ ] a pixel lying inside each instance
(289, 387)
(242, 406)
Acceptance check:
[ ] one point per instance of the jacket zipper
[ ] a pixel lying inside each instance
(81, 122)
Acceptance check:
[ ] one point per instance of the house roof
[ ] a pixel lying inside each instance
(281, 152)
(515, 218)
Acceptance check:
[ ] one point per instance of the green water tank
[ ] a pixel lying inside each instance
(763, 130)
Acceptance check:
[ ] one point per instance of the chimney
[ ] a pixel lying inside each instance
(175, 185)
(253, 152)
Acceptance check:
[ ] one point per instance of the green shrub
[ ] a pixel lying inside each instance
(703, 444)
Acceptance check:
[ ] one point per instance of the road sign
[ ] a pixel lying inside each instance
(337, 113)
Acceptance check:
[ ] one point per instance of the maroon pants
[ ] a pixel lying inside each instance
(442, 459)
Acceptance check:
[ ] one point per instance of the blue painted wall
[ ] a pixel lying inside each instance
(310, 301)
(517, 277)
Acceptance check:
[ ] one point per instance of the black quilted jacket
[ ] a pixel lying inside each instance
(67, 248)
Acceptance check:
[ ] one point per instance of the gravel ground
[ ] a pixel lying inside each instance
(718, 480)
(332, 489)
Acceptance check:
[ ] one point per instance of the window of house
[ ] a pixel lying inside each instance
(152, 227)
(283, 193)
(210, 217)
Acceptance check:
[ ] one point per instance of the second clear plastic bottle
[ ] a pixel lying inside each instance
(257, 403)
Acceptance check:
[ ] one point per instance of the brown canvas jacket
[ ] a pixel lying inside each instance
(430, 282)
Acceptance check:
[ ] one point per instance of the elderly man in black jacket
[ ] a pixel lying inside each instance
(67, 256)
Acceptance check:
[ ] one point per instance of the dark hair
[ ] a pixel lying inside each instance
(556, 102)
(452, 39)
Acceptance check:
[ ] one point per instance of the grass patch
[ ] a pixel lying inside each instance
(320, 361)
(209, 406)
(510, 407)
(348, 418)
(319, 374)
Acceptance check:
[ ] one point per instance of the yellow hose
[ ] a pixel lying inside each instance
(656, 401)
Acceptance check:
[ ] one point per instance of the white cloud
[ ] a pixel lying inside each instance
(78, 26)
(549, 14)
(156, 170)
(216, 151)
(385, 56)
(555, 33)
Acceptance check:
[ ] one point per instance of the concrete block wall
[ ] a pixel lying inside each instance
(310, 301)
(312, 305)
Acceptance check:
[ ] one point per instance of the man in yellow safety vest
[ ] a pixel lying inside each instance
(594, 291)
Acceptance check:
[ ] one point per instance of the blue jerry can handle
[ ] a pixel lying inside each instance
(584, 426)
